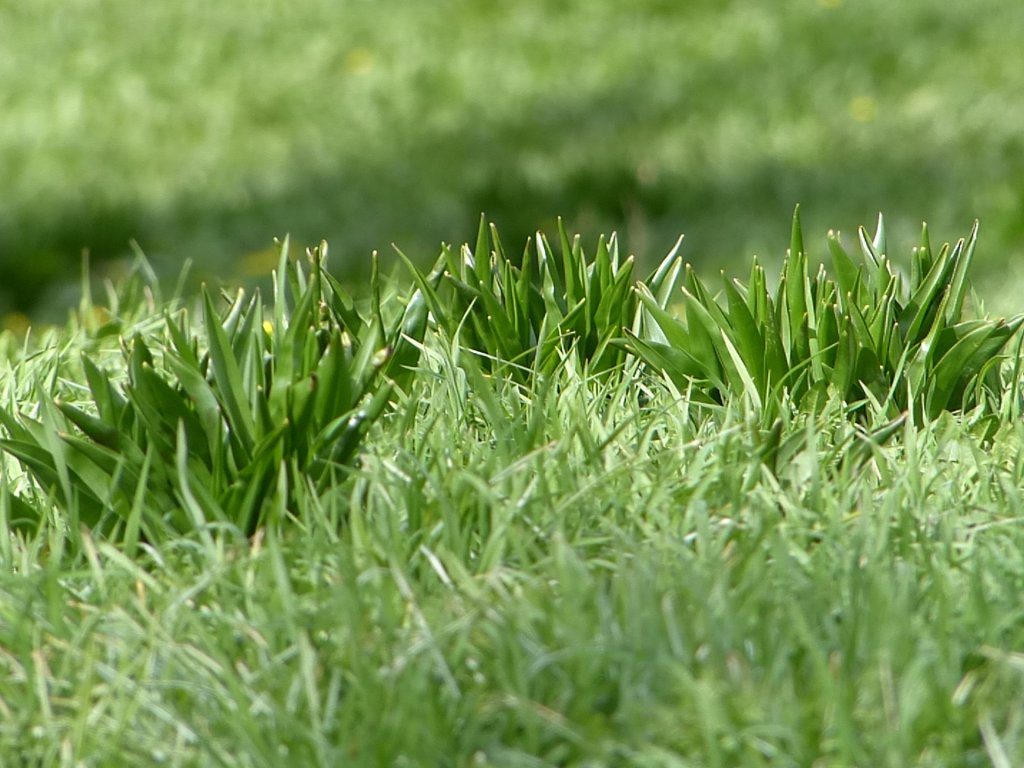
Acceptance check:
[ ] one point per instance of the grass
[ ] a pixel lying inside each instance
(554, 557)
(205, 132)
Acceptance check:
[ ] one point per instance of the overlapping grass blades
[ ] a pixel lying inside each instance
(246, 410)
(869, 336)
(225, 419)
(524, 318)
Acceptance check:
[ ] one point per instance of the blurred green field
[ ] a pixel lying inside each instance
(204, 130)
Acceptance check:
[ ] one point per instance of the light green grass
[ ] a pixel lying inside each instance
(561, 568)
(204, 131)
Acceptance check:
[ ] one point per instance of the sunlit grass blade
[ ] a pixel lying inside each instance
(793, 289)
(664, 279)
(846, 271)
(228, 377)
(748, 338)
(958, 282)
(920, 308)
(879, 242)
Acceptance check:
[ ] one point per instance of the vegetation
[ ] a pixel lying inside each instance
(202, 131)
(520, 512)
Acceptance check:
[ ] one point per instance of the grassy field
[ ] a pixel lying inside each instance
(559, 509)
(205, 131)
(574, 555)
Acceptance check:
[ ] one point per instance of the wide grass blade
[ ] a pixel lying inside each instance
(228, 377)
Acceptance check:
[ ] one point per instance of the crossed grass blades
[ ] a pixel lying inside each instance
(525, 319)
(871, 337)
(249, 412)
(224, 420)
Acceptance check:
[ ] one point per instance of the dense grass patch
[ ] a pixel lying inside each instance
(542, 549)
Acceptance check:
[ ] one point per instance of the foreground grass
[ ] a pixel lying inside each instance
(552, 570)
(498, 587)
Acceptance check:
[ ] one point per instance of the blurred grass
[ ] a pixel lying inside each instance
(204, 130)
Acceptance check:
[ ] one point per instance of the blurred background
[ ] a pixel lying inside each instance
(204, 130)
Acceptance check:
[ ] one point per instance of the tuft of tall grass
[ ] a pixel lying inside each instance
(233, 416)
(871, 336)
(221, 419)
(525, 317)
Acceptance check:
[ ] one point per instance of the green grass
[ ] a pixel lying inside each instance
(203, 132)
(573, 557)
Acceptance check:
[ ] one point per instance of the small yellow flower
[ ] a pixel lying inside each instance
(358, 61)
(863, 109)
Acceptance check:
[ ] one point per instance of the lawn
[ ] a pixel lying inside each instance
(472, 505)
(204, 131)
(324, 531)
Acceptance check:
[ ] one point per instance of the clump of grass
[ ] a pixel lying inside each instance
(525, 318)
(870, 336)
(221, 420)
(231, 417)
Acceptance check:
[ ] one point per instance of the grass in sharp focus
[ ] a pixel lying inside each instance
(571, 568)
